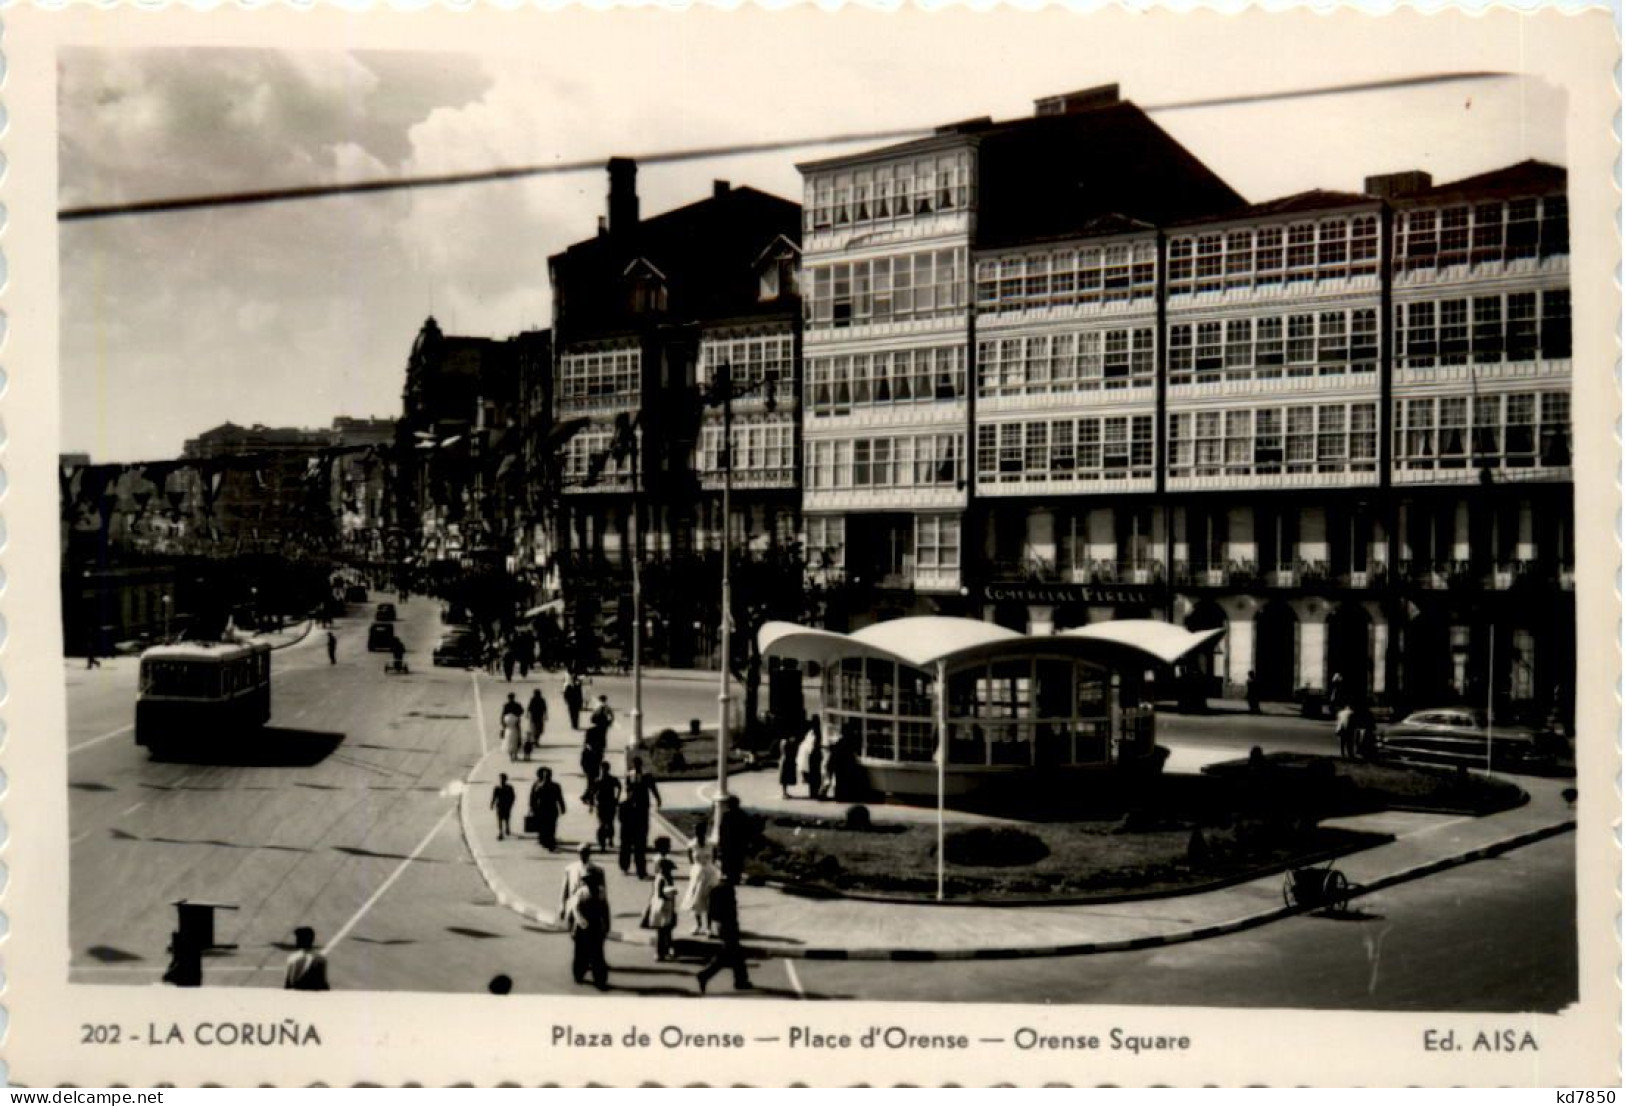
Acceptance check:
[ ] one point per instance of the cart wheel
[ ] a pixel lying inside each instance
(1286, 891)
(1337, 891)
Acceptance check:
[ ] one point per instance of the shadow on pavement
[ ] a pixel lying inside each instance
(270, 747)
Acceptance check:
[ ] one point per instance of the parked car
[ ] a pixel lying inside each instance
(355, 593)
(1462, 735)
(386, 612)
(381, 637)
(458, 648)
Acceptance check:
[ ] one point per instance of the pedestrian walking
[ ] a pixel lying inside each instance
(787, 764)
(397, 649)
(572, 699)
(332, 648)
(512, 714)
(600, 722)
(90, 659)
(546, 805)
(307, 968)
(1335, 692)
(1252, 693)
(575, 875)
(605, 802)
(536, 712)
(591, 760)
(507, 665)
(640, 795)
(702, 879)
(502, 800)
(1345, 731)
(733, 836)
(725, 916)
(814, 774)
(661, 914)
(588, 919)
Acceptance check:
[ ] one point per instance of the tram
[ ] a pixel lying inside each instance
(198, 690)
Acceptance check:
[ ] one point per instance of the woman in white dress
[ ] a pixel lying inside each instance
(702, 877)
(510, 735)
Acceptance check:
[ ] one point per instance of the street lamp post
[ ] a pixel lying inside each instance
(724, 393)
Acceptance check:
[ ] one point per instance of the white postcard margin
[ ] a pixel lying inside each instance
(392, 1038)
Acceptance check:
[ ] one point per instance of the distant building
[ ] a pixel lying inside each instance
(461, 405)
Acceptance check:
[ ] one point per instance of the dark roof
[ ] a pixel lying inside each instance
(1299, 203)
(706, 250)
(1523, 179)
(1058, 175)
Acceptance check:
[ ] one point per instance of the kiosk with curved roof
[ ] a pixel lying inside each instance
(1016, 705)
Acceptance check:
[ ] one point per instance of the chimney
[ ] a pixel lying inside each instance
(719, 189)
(1392, 186)
(1085, 99)
(623, 194)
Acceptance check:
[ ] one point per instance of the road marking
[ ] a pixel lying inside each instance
(388, 883)
(108, 736)
(795, 980)
(479, 708)
(131, 810)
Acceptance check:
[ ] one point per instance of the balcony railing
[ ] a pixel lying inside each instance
(1488, 575)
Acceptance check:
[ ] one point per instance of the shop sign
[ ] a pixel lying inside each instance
(1093, 594)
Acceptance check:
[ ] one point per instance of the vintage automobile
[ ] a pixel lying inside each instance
(386, 613)
(355, 593)
(381, 637)
(457, 648)
(1462, 735)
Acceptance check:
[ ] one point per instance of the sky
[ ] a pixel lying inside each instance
(293, 314)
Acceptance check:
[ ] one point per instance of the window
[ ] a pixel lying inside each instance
(1487, 430)
(1300, 345)
(1010, 451)
(1363, 340)
(1363, 437)
(1238, 348)
(1522, 336)
(1556, 338)
(1268, 447)
(1300, 438)
(1180, 442)
(1114, 445)
(1418, 445)
(936, 541)
(1453, 236)
(1036, 461)
(1520, 430)
(826, 540)
(1238, 444)
(1062, 457)
(1270, 352)
(1209, 351)
(1332, 344)
(1452, 431)
(598, 375)
(1487, 333)
(1300, 252)
(1332, 442)
(1554, 429)
(1181, 354)
(1208, 443)
(1270, 258)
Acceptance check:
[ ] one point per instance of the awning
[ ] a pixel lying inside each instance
(1159, 641)
(923, 641)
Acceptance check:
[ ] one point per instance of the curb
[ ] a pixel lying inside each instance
(518, 904)
(1133, 944)
(505, 896)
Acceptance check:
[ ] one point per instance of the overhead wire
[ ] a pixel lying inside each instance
(262, 197)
